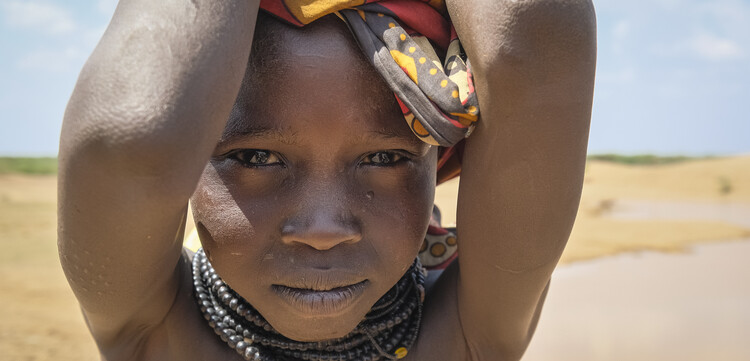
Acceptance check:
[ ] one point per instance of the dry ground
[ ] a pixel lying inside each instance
(712, 181)
(41, 321)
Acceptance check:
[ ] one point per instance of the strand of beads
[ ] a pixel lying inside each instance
(388, 330)
(204, 279)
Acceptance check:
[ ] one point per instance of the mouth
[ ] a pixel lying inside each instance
(321, 300)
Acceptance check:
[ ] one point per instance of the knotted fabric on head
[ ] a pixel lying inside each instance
(405, 41)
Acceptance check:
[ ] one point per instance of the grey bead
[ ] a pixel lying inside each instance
(250, 352)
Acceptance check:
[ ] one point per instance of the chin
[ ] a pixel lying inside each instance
(316, 329)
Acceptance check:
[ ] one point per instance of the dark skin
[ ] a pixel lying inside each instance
(314, 191)
(306, 179)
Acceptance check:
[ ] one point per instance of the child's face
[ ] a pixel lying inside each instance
(317, 198)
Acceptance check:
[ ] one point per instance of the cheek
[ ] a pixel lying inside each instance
(400, 213)
(218, 216)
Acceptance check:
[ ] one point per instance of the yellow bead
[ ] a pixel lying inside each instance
(412, 49)
(391, 25)
(433, 71)
(403, 37)
(401, 352)
(443, 83)
(422, 60)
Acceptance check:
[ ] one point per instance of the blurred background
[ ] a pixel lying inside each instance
(656, 267)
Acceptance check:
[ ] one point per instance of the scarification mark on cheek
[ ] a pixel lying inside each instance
(220, 215)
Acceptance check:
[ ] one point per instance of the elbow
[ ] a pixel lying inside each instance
(107, 144)
(95, 138)
(115, 129)
(529, 35)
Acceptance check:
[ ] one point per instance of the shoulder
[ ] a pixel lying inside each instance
(183, 333)
(441, 336)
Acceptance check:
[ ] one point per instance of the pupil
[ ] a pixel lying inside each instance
(381, 158)
(260, 157)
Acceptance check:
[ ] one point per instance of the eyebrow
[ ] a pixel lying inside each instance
(383, 133)
(235, 131)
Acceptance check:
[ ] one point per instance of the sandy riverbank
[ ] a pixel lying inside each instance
(649, 307)
(41, 320)
(723, 182)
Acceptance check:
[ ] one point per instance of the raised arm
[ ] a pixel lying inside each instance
(140, 126)
(520, 186)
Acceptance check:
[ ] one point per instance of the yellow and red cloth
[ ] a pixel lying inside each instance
(413, 45)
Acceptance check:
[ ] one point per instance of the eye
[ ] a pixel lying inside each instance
(256, 158)
(383, 158)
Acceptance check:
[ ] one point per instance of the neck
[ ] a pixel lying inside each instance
(386, 333)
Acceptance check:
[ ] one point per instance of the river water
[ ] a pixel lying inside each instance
(653, 306)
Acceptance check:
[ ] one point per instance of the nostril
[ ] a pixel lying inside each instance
(319, 236)
(322, 225)
(320, 241)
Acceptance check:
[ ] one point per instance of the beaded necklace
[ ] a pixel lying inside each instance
(387, 332)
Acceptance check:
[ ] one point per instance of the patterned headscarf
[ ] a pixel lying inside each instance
(405, 41)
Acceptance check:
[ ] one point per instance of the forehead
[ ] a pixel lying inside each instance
(314, 76)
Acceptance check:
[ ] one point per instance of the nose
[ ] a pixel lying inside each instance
(321, 227)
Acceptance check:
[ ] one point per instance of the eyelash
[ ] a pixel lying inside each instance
(261, 158)
(384, 159)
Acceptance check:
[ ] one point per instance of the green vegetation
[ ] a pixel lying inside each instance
(48, 165)
(725, 186)
(14, 165)
(641, 159)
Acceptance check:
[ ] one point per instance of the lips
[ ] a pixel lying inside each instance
(321, 298)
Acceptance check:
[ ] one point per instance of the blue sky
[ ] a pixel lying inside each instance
(673, 76)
